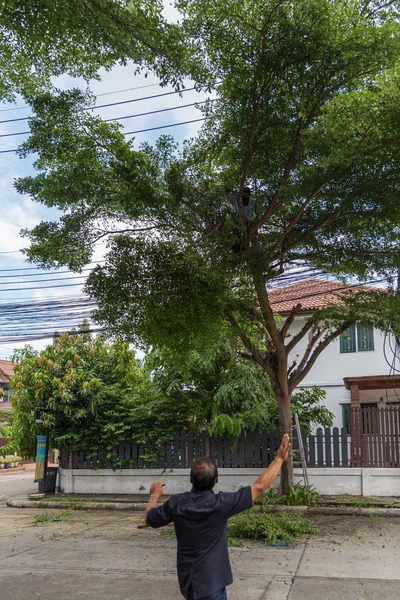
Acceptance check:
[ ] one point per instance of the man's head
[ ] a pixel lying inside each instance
(204, 474)
(246, 196)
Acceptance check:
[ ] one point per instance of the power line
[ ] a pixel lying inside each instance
(133, 132)
(145, 114)
(42, 275)
(44, 287)
(164, 126)
(140, 87)
(40, 280)
(116, 103)
(96, 262)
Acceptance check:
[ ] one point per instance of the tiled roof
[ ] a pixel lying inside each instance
(311, 294)
(6, 370)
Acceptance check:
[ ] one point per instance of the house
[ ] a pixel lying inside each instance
(6, 373)
(353, 369)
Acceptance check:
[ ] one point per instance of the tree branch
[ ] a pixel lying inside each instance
(285, 328)
(298, 375)
(389, 142)
(297, 217)
(299, 336)
(253, 350)
(290, 163)
(313, 338)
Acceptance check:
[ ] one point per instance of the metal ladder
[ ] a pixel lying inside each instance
(301, 449)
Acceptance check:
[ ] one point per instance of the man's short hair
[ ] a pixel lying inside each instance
(204, 474)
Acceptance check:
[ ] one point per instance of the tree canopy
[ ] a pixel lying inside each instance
(40, 39)
(93, 394)
(307, 115)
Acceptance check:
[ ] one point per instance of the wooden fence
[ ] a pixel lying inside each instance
(325, 448)
(375, 436)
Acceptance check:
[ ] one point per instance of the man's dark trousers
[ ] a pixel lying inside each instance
(220, 595)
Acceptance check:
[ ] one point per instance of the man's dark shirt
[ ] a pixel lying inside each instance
(200, 520)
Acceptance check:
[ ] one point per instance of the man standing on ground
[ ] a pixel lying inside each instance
(200, 518)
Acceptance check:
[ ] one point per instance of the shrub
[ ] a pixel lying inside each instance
(254, 525)
(300, 495)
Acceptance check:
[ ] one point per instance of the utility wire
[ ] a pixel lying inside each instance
(138, 131)
(41, 280)
(116, 103)
(152, 112)
(140, 87)
(96, 262)
(44, 287)
(40, 274)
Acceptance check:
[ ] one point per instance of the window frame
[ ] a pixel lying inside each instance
(355, 337)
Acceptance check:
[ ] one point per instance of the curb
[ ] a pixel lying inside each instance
(132, 506)
(11, 471)
(140, 507)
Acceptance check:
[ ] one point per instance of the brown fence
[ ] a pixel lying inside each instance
(325, 448)
(375, 436)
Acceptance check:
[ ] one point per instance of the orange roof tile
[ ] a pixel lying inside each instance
(6, 369)
(311, 294)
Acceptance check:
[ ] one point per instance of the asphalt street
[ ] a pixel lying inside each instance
(47, 554)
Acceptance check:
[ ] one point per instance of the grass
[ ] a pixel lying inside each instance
(49, 518)
(273, 529)
(282, 527)
(299, 495)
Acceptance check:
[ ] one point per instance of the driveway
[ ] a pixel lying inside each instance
(18, 482)
(103, 556)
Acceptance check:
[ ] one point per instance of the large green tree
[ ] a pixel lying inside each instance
(307, 114)
(40, 39)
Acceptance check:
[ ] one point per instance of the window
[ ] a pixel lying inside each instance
(346, 417)
(358, 338)
(348, 340)
(365, 339)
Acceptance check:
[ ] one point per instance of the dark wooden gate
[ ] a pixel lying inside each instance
(375, 436)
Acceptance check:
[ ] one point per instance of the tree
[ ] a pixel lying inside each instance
(76, 382)
(41, 39)
(308, 115)
(227, 394)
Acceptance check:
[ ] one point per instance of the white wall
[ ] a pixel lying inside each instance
(331, 367)
(332, 481)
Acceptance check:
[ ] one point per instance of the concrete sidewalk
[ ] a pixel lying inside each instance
(103, 556)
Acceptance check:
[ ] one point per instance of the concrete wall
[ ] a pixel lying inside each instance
(329, 481)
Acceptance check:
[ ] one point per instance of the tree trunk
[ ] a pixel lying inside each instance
(285, 426)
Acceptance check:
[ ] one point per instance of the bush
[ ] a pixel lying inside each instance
(254, 525)
(268, 497)
(11, 459)
(300, 495)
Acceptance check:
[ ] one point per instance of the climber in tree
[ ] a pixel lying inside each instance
(246, 208)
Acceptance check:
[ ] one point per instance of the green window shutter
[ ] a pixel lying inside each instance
(346, 415)
(365, 339)
(348, 340)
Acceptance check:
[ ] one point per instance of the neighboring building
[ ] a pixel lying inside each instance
(6, 373)
(352, 370)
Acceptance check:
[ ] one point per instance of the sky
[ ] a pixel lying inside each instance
(29, 284)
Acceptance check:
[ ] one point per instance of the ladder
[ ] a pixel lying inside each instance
(301, 449)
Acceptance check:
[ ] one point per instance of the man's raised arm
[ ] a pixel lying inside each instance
(266, 479)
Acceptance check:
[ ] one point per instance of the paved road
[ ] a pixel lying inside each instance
(20, 482)
(103, 556)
